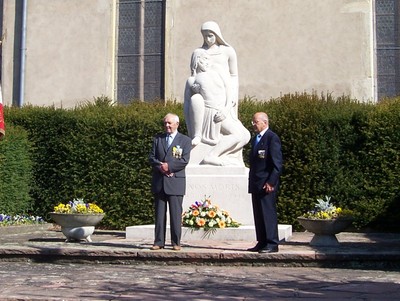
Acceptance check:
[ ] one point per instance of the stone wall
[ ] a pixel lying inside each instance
(282, 46)
(69, 51)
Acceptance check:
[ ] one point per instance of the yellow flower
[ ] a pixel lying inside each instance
(211, 214)
(201, 222)
(78, 206)
(221, 224)
(94, 208)
(195, 212)
(62, 208)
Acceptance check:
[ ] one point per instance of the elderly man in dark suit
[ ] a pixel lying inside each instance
(265, 169)
(169, 156)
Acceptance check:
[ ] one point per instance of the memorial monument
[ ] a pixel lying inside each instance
(216, 168)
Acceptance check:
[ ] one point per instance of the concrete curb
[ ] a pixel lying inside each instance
(371, 250)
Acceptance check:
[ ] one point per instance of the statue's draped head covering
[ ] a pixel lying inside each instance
(213, 26)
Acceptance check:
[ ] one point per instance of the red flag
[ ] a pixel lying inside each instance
(2, 125)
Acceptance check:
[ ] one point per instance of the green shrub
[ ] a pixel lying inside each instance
(331, 146)
(380, 158)
(15, 172)
(97, 152)
(328, 149)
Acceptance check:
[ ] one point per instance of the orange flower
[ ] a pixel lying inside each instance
(201, 222)
(211, 214)
(195, 212)
(221, 224)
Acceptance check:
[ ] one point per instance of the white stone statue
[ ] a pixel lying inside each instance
(211, 100)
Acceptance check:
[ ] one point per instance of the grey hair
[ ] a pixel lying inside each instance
(174, 116)
(262, 116)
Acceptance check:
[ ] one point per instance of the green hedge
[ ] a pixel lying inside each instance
(15, 172)
(337, 147)
(97, 152)
(331, 146)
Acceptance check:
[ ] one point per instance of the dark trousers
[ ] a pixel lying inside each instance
(265, 219)
(174, 204)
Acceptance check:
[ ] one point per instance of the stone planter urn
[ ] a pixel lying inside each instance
(325, 230)
(77, 226)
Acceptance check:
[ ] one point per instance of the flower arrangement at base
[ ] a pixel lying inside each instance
(78, 206)
(326, 210)
(205, 215)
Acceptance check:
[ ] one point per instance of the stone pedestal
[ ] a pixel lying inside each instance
(225, 186)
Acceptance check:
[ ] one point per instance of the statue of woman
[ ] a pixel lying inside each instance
(222, 56)
(220, 128)
(223, 60)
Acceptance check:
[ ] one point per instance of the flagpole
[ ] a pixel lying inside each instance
(2, 125)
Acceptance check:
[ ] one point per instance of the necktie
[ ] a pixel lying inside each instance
(258, 138)
(169, 140)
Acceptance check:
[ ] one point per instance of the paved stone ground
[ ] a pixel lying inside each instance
(37, 264)
(43, 281)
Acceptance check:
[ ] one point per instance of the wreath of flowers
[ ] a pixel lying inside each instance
(205, 215)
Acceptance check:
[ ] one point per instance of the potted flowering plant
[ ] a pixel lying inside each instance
(77, 219)
(204, 215)
(325, 221)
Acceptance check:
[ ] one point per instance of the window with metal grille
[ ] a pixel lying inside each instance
(388, 47)
(140, 50)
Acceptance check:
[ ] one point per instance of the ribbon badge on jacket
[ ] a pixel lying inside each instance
(177, 152)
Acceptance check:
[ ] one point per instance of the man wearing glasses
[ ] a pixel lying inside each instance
(265, 169)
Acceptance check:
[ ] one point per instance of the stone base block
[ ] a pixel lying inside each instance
(243, 233)
(226, 186)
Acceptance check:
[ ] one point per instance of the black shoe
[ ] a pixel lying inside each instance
(155, 248)
(256, 248)
(269, 250)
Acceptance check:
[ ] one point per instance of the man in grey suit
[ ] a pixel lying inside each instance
(169, 156)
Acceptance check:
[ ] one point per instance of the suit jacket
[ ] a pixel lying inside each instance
(265, 162)
(177, 156)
